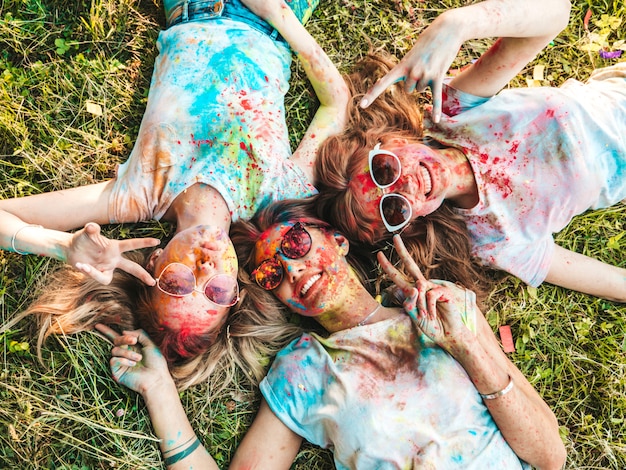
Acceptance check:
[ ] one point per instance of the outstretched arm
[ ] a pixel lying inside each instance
(38, 224)
(524, 419)
(523, 29)
(138, 364)
(588, 275)
(326, 80)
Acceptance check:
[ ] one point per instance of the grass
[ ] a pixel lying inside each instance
(58, 58)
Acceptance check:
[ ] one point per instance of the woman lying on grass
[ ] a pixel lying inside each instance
(212, 148)
(508, 168)
(424, 386)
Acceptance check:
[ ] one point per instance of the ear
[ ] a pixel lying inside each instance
(343, 245)
(152, 259)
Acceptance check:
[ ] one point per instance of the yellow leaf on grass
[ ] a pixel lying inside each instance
(538, 72)
(93, 108)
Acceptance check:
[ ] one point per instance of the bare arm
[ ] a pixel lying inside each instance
(59, 211)
(524, 419)
(267, 444)
(524, 28)
(326, 80)
(588, 275)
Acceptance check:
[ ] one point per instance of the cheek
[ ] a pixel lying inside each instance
(363, 186)
(194, 315)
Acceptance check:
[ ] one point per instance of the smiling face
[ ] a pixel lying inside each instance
(314, 283)
(424, 178)
(207, 251)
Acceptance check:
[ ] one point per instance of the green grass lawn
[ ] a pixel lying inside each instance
(73, 85)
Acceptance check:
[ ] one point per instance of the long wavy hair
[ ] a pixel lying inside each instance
(71, 302)
(438, 242)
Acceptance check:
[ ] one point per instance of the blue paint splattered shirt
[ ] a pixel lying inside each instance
(384, 396)
(215, 115)
(540, 156)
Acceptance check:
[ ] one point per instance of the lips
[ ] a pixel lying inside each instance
(428, 184)
(312, 280)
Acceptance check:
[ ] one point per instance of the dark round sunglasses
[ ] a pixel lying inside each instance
(296, 244)
(178, 280)
(385, 170)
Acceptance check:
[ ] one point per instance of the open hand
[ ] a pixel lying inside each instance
(136, 361)
(98, 256)
(436, 307)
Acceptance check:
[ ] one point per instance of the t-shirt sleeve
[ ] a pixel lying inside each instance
(294, 385)
(530, 263)
(456, 101)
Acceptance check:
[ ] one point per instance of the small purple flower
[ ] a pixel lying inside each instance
(610, 54)
(119, 413)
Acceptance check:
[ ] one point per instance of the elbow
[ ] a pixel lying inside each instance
(562, 20)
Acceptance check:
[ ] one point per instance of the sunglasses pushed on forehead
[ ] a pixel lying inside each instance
(385, 170)
(296, 244)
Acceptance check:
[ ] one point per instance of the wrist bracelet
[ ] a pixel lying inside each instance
(14, 237)
(501, 393)
(181, 455)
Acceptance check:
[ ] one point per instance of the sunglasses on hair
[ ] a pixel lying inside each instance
(178, 280)
(296, 244)
(385, 170)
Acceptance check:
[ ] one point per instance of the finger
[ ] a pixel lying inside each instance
(137, 243)
(136, 270)
(436, 88)
(109, 333)
(126, 352)
(395, 275)
(92, 228)
(435, 295)
(395, 75)
(407, 259)
(410, 304)
(119, 367)
(103, 277)
(127, 338)
(144, 339)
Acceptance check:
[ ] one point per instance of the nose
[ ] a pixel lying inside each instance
(294, 268)
(408, 185)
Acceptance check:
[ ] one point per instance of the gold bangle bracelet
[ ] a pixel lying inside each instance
(501, 393)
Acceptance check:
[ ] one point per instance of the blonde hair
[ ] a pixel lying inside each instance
(255, 329)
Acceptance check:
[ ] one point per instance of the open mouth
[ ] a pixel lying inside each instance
(428, 184)
(309, 284)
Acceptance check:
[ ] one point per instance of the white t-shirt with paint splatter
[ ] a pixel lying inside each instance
(384, 396)
(540, 156)
(215, 115)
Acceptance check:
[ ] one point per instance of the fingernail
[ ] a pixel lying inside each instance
(364, 103)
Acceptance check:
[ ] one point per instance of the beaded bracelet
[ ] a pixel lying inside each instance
(14, 237)
(501, 393)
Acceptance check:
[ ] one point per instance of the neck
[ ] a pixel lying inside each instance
(199, 205)
(357, 313)
(463, 190)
